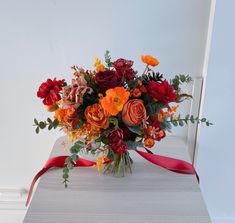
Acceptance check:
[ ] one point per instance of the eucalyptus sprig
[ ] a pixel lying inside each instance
(176, 82)
(43, 124)
(71, 160)
(107, 58)
(166, 124)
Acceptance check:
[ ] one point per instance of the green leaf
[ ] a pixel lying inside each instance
(55, 123)
(65, 170)
(49, 120)
(65, 175)
(74, 157)
(181, 123)
(74, 148)
(132, 145)
(35, 121)
(203, 120)
(50, 127)
(37, 130)
(42, 125)
(175, 123)
(68, 160)
(70, 166)
(136, 130)
(154, 107)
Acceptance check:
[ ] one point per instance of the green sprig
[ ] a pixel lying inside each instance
(43, 124)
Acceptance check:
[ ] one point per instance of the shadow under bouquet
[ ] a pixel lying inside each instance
(111, 110)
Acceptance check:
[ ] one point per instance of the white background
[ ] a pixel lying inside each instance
(217, 146)
(44, 38)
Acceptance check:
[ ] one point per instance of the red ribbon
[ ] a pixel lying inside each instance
(172, 164)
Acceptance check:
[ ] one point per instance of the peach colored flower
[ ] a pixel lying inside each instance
(114, 100)
(97, 116)
(73, 94)
(134, 112)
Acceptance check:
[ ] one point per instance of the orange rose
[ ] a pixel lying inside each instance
(97, 116)
(134, 112)
(150, 60)
(149, 142)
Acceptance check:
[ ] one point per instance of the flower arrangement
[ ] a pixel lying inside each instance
(111, 110)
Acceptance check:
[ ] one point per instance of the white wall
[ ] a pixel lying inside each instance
(44, 38)
(217, 146)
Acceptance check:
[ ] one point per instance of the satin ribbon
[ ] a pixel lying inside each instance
(172, 164)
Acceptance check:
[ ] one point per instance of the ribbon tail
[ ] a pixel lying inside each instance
(37, 176)
(172, 164)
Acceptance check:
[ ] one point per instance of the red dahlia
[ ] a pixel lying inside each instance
(49, 91)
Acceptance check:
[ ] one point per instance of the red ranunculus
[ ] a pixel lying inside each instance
(124, 68)
(163, 91)
(108, 79)
(115, 138)
(49, 91)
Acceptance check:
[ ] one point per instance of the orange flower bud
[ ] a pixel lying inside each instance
(136, 93)
(149, 142)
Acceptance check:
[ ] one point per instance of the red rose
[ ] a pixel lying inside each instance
(163, 91)
(108, 79)
(49, 91)
(115, 138)
(124, 68)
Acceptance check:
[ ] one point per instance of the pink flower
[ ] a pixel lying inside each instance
(73, 94)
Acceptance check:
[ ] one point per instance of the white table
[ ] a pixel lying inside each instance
(150, 194)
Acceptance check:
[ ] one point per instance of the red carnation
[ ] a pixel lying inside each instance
(163, 91)
(124, 68)
(49, 91)
(108, 79)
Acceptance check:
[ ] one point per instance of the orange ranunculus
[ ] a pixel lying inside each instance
(114, 100)
(150, 60)
(97, 116)
(149, 142)
(67, 116)
(134, 112)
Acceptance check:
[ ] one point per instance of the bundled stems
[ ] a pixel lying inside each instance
(120, 165)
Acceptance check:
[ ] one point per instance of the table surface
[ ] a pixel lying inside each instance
(150, 194)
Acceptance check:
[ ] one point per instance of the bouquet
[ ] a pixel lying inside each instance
(111, 110)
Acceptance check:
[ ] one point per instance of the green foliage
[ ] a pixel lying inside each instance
(136, 129)
(133, 145)
(176, 82)
(180, 79)
(181, 121)
(154, 107)
(107, 59)
(43, 124)
(71, 160)
(114, 121)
